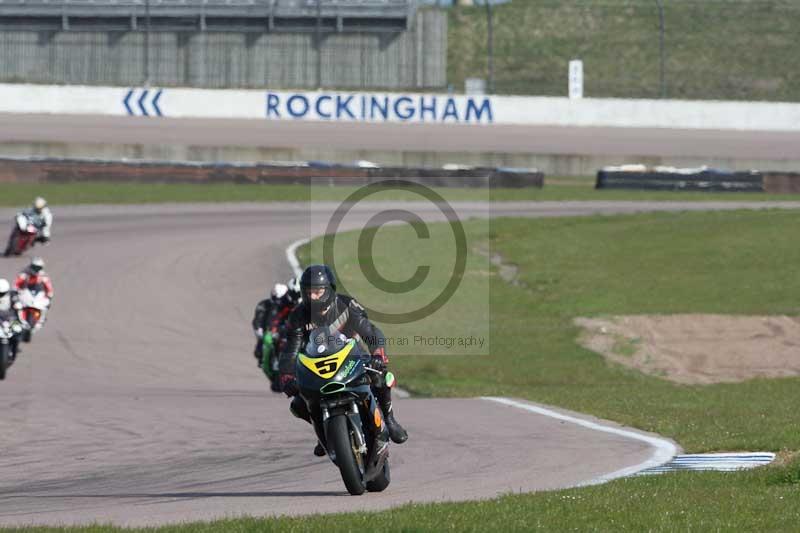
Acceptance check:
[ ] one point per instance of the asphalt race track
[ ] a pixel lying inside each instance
(392, 137)
(140, 402)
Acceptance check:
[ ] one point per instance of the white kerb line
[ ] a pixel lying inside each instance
(291, 255)
(664, 450)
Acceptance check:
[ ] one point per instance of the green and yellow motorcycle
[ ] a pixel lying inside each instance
(334, 379)
(270, 350)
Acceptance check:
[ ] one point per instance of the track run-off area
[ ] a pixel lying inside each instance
(140, 402)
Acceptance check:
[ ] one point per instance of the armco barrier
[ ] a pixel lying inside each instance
(699, 180)
(38, 170)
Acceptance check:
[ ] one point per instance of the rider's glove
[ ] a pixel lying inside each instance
(379, 359)
(289, 385)
(259, 333)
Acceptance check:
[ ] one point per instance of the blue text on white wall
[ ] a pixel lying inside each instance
(379, 107)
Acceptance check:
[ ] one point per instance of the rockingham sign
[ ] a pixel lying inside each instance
(368, 107)
(156, 103)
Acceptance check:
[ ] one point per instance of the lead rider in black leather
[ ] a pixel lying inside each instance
(322, 307)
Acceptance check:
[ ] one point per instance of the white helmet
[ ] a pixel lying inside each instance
(279, 291)
(39, 203)
(5, 287)
(37, 265)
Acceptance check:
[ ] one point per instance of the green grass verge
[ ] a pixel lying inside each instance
(738, 262)
(557, 189)
(738, 49)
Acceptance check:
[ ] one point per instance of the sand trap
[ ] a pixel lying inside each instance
(698, 349)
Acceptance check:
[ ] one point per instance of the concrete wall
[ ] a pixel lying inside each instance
(413, 59)
(399, 107)
(252, 105)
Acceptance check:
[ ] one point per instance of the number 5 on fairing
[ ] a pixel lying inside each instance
(327, 366)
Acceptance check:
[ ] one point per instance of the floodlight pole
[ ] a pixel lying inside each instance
(490, 45)
(661, 50)
(147, 43)
(318, 37)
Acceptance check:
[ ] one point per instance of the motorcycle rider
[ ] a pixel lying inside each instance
(41, 217)
(35, 279)
(271, 312)
(322, 307)
(10, 309)
(294, 293)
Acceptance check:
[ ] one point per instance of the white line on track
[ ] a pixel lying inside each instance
(663, 450)
(291, 256)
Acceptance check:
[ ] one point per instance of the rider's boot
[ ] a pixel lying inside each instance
(396, 432)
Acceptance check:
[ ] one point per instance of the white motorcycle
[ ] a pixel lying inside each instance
(8, 354)
(23, 235)
(35, 305)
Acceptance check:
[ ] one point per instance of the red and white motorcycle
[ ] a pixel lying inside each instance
(35, 305)
(23, 235)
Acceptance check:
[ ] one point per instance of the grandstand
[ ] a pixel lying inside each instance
(292, 44)
(208, 15)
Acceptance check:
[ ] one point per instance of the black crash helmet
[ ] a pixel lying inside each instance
(318, 277)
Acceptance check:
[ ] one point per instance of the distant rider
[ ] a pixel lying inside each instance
(35, 279)
(41, 217)
(272, 312)
(322, 307)
(10, 310)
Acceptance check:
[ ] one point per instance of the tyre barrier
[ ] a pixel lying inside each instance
(672, 179)
(54, 170)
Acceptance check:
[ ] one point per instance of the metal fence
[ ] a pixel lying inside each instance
(698, 49)
(207, 15)
(359, 44)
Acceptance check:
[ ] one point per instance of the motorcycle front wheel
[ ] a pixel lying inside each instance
(341, 440)
(5, 357)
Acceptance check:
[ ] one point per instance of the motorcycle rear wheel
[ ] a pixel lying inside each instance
(340, 439)
(382, 480)
(11, 246)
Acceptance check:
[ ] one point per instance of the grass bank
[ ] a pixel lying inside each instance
(737, 49)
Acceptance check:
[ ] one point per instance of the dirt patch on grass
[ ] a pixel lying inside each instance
(698, 349)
